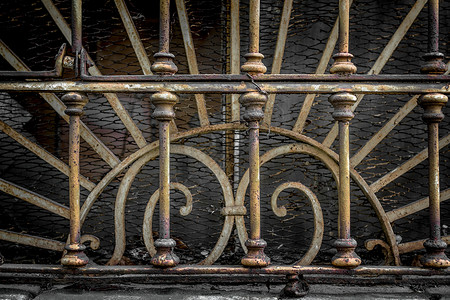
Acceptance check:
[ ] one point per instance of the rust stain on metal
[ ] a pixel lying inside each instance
(345, 245)
(253, 103)
(255, 88)
(75, 256)
(55, 73)
(432, 116)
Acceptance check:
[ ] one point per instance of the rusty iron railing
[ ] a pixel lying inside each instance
(256, 90)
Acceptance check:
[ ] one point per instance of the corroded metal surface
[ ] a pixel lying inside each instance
(191, 270)
(75, 256)
(432, 105)
(435, 257)
(345, 245)
(164, 113)
(255, 89)
(239, 86)
(56, 72)
(255, 257)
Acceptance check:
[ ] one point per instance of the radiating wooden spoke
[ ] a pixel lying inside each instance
(414, 207)
(43, 154)
(383, 59)
(33, 198)
(133, 35)
(278, 57)
(406, 166)
(112, 98)
(387, 128)
(104, 152)
(191, 58)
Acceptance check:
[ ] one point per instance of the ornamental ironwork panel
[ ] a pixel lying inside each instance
(266, 134)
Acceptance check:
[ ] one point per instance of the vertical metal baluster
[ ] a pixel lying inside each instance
(342, 103)
(434, 63)
(254, 64)
(345, 245)
(343, 60)
(163, 64)
(432, 105)
(77, 33)
(75, 256)
(164, 113)
(253, 103)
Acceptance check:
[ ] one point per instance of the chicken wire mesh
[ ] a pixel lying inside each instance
(30, 32)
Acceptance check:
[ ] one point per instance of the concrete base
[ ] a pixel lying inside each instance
(216, 292)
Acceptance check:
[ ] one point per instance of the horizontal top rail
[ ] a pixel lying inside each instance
(273, 77)
(231, 87)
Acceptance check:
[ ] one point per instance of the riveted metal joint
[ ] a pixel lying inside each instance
(69, 62)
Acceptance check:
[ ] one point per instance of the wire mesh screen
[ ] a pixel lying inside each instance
(29, 31)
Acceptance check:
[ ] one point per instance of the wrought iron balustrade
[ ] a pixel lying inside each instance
(231, 129)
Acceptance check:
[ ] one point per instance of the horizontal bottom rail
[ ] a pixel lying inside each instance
(217, 270)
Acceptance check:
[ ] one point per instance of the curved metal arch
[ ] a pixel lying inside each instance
(118, 169)
(119, 213)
